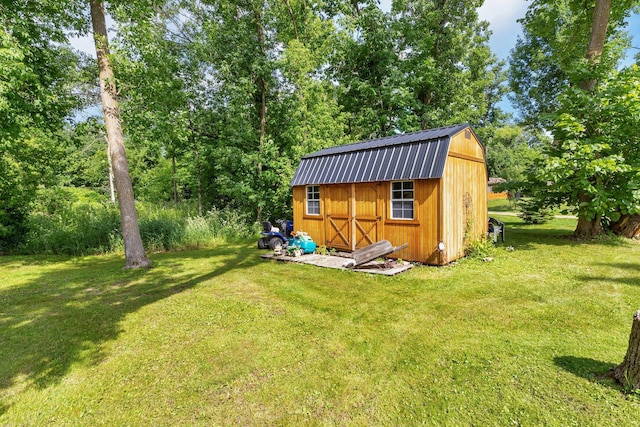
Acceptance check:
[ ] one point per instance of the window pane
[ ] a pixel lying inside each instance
(313, 207)
(313, 192)
(402, 199)
(313, 200)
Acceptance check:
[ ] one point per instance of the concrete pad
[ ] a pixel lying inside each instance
(337, 262)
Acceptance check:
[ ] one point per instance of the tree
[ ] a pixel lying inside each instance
(366, 63)
(628, 372)
(592, 226)
(35, 98)
(589, 166)
(134, 250)
(446, 61)
(511, 152)
(593, 164)
(556, 34)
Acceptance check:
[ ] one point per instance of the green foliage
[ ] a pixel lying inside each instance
(533, 212)
(80, 222)
(593, 165)
(479, 248)
(426, 64)
(511, 153)
(71, 222)
(36, 74)
(555, 36)
(446, 62)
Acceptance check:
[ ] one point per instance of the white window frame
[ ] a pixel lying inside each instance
(399, 198)
(313, 199)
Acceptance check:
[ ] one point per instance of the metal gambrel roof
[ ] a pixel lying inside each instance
(417, 155)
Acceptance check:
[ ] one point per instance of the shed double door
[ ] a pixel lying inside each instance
(353, 215)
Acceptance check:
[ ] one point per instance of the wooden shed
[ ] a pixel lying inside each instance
(427, 189)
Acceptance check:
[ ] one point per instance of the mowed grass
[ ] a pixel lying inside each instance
(220, 337)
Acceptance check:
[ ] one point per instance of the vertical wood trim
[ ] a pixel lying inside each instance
(439, 220)
(353, 216)
(381, 211)
(323, 212)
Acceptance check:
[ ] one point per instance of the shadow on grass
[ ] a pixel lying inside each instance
(593, 370)
(625, 279)
(63, 317)
(558, 232)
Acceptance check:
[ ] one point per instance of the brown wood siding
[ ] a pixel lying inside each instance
(469, 147)
(464, 200)
(311, 224)
(421, 233)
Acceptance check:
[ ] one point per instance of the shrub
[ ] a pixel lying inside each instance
(532, 212)
(72, 222)
(80, 228)
(479, 248)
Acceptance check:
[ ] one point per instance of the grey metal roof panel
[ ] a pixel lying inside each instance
(423, 135)
(419, 155)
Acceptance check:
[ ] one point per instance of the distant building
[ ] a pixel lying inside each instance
(492, 194)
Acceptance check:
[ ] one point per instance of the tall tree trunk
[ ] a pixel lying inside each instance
(598, 38)
(112, 190)
(133, 249)
(262, 107)
(175, 181)
(196, 156)
(628, 372)
(585, 227)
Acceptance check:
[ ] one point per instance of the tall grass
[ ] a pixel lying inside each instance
(75, 222)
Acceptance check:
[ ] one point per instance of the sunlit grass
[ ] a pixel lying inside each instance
(219, 337)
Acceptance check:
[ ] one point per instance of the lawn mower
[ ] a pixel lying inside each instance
(287, 241)
(272, 237)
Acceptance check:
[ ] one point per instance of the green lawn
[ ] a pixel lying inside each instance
(501, 205)
(220, 337)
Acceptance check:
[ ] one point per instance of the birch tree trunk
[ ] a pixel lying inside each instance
(133, 249)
